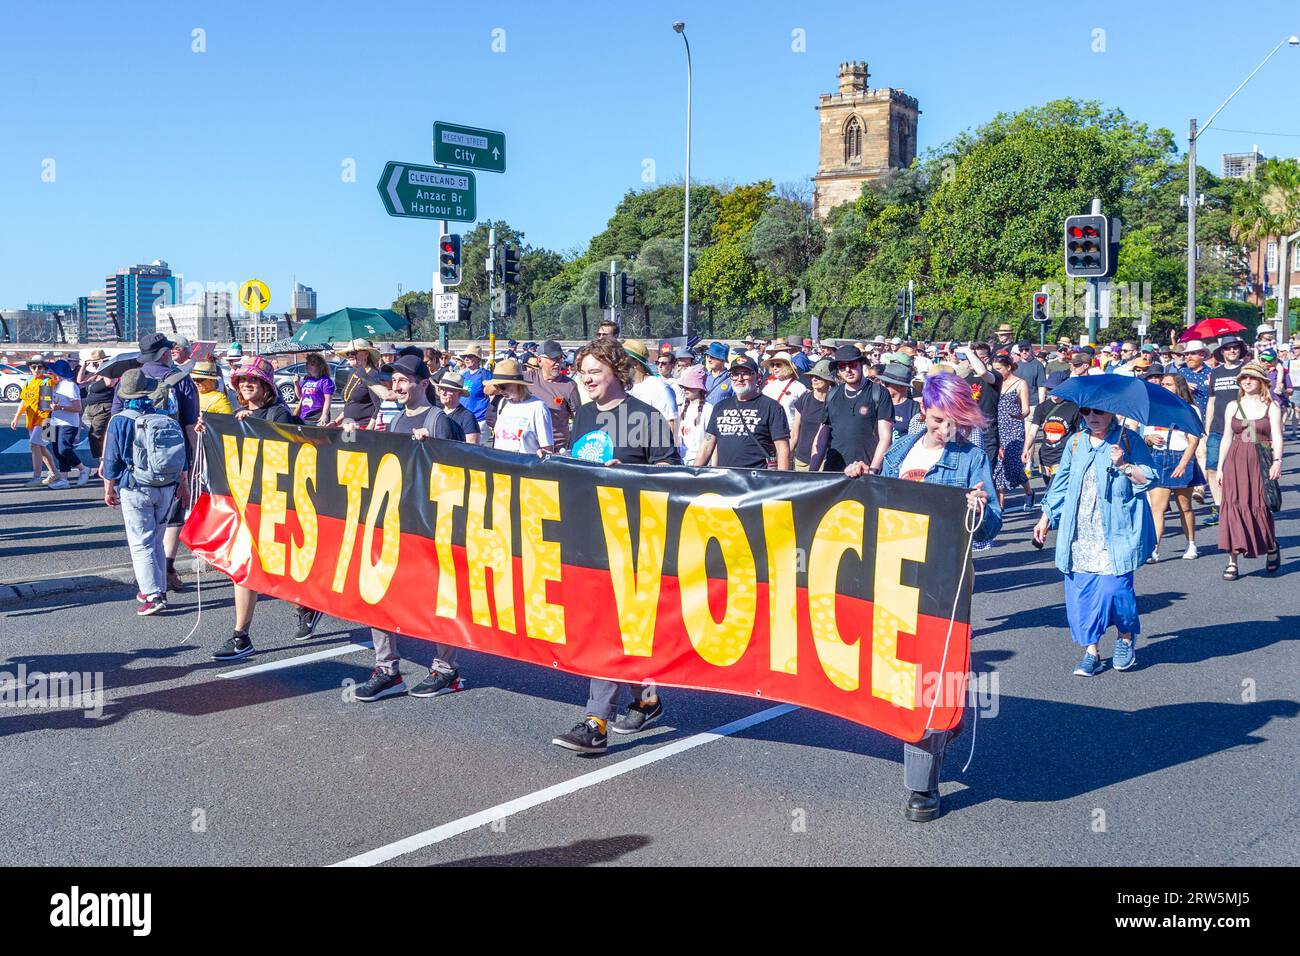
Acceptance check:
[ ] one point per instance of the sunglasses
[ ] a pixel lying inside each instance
(1093, 411)
(664, 362)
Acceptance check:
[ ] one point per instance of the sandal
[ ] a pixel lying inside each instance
(1274, 560)
(1230, 572)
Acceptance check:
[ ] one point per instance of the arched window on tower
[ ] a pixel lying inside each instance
(852, 142)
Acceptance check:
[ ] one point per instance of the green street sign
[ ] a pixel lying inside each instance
(469, 146)
(427, 192)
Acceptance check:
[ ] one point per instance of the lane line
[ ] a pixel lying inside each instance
(296, 661)
(500, 811)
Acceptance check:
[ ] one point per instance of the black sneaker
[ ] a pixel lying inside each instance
(381, 684)
(637, 717)
(585, 738)
(922, 806)
(239, 645)
(307, 621)
(437, 684)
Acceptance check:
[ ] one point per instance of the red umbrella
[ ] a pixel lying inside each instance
(1211, 329)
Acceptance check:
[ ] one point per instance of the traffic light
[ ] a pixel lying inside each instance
(510, 266)
(626, 290)
(602, 285)
(918, 320)
(449, 260)
(511, 304)
(1087, 247)
(900, 303)
(463, 308)
(1040, 306)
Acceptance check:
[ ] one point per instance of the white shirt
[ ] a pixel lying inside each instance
(778, 391)
(64, 393)
(918, 461)
(1175, 440)
(690, 435)
(523, 427)
(656, 393)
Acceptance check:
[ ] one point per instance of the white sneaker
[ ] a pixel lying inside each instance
(83, 476)
(1191, 553)
(59, 485)
(50, 479)
(1155, 556)
(36, 482)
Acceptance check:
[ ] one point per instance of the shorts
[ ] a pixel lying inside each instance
(1212, 443)
(36, 437)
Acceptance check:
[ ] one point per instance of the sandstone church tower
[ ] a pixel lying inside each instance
(864, 134)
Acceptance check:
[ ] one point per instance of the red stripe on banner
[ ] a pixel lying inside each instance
(593, 644)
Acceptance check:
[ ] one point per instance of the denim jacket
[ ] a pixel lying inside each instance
(962, 465)
(1125, 514)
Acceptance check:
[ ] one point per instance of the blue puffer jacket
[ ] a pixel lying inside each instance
(1125, 514)
(962, 465)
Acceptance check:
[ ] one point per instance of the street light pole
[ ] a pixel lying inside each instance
(680, 27)
(1193, 135)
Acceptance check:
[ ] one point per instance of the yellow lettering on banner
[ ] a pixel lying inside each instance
(275, 464)
(840, 531)
(782, 587)
(302, 557)
(721, 643)
(240, 469)
(375, 578)
(354, 474)
(447, 491)
(900, 536)
(636, 586)
(489, 548)
(540, 501)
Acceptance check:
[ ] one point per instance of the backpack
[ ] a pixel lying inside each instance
(158, 449)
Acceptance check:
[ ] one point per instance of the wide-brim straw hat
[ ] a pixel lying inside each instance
(1253, 370)
(508, 372)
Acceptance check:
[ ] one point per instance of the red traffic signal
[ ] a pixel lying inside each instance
(449, 260)
(1087, 246)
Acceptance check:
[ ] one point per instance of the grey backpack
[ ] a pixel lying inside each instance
(158, 450)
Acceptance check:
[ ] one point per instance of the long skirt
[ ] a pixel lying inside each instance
(1094, 602)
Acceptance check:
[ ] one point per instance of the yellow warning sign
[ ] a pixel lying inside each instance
(254, 295)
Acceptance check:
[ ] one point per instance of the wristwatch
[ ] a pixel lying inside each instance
(1128, 471)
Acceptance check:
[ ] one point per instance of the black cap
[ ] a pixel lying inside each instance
(847, 353)
(411, 366)
(153, 342)
(1056, 378)
(411, 350)
(552, 350)
(745, 362)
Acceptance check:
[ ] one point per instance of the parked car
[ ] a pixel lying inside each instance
(12, 380)
(284, 378)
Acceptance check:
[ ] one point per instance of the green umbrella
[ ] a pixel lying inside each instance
(348, 324)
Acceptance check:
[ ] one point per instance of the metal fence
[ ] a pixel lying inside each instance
(581, 321)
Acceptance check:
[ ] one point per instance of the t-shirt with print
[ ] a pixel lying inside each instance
(635, 434)
(986, 397)
(918, 461)
(359, 403)
(747, 432)
(854, 421)
(1223, 388)
(1057, 421)
(560, 396)
(691, 429)
(904, 412)
(313, 391)
(522, 427)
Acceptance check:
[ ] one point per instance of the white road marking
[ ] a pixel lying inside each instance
(500, 811)
(23, 446)
(301, 659)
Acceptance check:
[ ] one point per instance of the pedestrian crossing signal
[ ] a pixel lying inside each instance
(1040, 306)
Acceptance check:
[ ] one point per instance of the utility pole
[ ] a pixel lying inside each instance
(911, 311)
(492, 299)
(1191, 224)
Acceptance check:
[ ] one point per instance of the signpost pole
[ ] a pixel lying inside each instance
(492, 299)
(443, 343)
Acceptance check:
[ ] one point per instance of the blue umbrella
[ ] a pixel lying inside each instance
(1133, 398)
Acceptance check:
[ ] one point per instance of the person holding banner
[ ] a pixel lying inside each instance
(523, 423)
(942, 454)
(748, 429)
(421, 421)
(1098, 499)
(254, 382)
(615, 428)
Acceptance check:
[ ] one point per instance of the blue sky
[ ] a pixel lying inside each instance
(228, 163)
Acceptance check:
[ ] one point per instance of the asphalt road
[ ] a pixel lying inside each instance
(1190, 758)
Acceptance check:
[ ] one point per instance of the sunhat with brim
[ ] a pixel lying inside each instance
(452, 383)
(257, 367)
(471, 350)
(1229, 340)
(508, 372)
(639, 351)
(896, 374)
(205, 370)
(779, 357)
(61, 368)
(693, 377)
(1194, 345)
(98, 355)
(1253, 370)
(718, 350)
(136, 384)
(822, 370)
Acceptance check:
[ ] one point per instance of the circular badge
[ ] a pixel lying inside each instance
(594, 446)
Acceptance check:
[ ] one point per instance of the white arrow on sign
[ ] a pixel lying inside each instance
(496, 153)
(392, 188)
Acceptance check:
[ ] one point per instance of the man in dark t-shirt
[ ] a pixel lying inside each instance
(986, 389)
(747, 429)
(860, 415)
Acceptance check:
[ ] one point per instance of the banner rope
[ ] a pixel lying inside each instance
(198, 481)
(974, 518)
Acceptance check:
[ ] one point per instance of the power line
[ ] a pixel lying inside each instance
(1250, 132)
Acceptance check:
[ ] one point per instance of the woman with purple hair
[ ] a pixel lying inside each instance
(943, 454)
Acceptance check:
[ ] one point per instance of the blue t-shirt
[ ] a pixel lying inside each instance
(476, 401)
